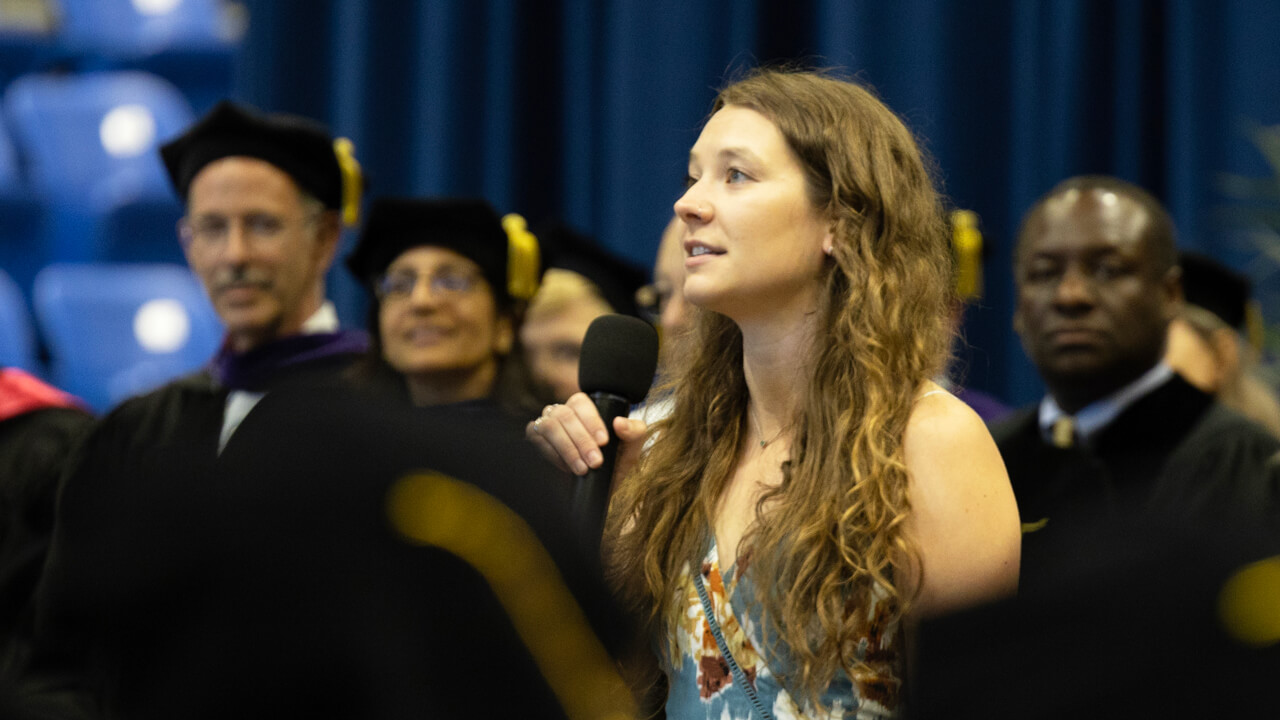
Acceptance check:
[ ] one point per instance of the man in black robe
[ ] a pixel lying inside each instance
(1120, 437)
(265, 199)
(346, 557)
(266, 196)
(39, 425)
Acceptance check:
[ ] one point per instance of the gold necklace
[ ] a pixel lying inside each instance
(756, 421)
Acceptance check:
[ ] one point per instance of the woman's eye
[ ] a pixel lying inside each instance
(735, 175)
(1109, 271)
(689, 180)
(262, 225)
(1040, 273)
(398, 284)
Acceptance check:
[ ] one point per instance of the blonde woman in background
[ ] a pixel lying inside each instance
(1205, 342)
(558, 318)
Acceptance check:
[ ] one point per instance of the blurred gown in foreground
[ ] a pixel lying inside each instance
(341, 558)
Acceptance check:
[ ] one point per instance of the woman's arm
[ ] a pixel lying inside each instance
(963, 514)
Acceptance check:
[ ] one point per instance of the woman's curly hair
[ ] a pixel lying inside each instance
(835, 532)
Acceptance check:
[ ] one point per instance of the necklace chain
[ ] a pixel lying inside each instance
(759, 433)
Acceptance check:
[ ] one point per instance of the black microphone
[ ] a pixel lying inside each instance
(619, 356)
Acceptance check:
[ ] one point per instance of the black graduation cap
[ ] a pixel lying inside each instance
(299, 146)
(1209, 284)
(616, 279)
(468, 226)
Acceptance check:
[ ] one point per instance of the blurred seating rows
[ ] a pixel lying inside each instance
(94, 296)
(113, 330)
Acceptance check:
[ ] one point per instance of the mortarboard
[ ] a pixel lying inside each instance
(1209, 284)
(300, 147)
(616, 279)
(505, 250)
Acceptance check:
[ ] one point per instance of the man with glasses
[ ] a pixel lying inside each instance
(263, 199)
(264, 195)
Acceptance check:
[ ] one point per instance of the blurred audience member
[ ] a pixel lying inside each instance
(1206, 345)
(263, 198)
(582, 283)
(664, 305)
(450, 281)
(552, 332)
(662, 302)
(1119, 435)
(1149, 619)
(329, 568)
(39, 426)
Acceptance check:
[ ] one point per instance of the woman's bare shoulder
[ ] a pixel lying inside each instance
(942, 424)
(963, 513)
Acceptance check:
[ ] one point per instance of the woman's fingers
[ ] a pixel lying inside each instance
(570, 434)
(531, 431)
(585, 410)
(628, 429)
(631, 435)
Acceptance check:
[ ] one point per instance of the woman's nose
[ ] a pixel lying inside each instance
(692, 206)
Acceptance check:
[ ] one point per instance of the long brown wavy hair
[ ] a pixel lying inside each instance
(835, 535)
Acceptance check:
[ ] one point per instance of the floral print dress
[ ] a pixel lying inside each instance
(702, 686)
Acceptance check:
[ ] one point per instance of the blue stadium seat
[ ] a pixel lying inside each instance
(142, 27)
(10, 175)
(90, 142)
(22, 249)
(118, 329)
(17, 338)
(192, 43)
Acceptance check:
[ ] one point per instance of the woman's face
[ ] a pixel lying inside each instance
(1204, 361)
(552, 344)
(438, 315)
(755, 243)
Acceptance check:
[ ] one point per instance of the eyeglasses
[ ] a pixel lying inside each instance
(208, 234)
(400, 284)
(652, 301)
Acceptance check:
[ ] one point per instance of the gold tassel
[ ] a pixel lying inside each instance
(1064, 432)
(522, 258)
(352, 180)
(435, 510)
(966, 243)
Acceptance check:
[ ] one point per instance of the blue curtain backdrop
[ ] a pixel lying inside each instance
(584, 110)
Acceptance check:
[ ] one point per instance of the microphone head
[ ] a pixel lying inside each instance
(619, 357)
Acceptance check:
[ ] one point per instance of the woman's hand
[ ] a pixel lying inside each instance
(571, 436)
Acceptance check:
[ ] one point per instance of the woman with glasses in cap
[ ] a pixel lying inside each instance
(449, 281)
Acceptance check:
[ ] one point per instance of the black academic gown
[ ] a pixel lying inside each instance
(34, 448)
(1174, 455)
(268, 582)
(109, 542)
